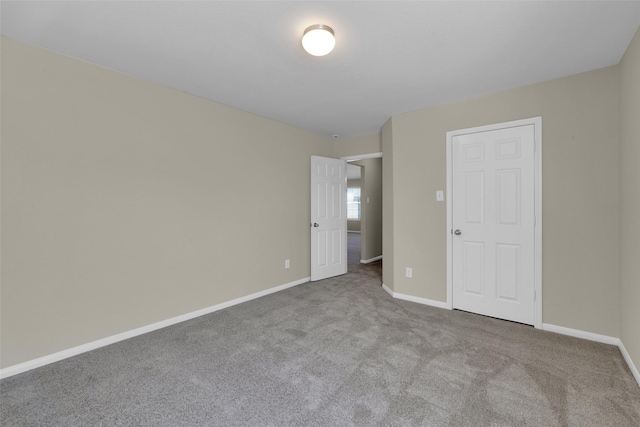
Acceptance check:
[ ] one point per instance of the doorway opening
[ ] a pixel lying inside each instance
(355, 214)
(364, 206)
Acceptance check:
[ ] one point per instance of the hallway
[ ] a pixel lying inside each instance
(371, 270)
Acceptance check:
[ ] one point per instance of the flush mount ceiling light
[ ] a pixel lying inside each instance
(318, 40)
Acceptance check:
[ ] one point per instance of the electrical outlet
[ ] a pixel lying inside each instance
(287, 263)
(409, 272)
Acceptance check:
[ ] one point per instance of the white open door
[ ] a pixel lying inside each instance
(493, 220)
(328, 217)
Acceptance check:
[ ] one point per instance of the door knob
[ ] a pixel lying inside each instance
(457, 232)
(315, 224)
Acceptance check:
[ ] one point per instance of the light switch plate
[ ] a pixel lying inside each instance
(439, 196)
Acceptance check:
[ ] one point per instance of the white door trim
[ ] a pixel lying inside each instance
(363, 156)
(537, 123)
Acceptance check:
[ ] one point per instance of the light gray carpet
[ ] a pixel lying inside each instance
(330, 353)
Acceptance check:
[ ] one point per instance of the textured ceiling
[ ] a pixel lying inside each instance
(390, 57)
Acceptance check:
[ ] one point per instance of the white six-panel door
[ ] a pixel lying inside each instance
(493, 223)
(328, 217)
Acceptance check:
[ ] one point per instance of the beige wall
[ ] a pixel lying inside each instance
(630, 199)
(365, 144)
(353, 225)
(581, 236)
(122, 204)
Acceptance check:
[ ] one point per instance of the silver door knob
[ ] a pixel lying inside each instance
(315, 224)
(457, 232)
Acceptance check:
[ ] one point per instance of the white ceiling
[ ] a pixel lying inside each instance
(390, 57)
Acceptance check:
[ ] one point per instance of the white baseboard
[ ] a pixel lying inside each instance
(424, 301)
(370, 260)
(605, 339)
(55, 357)
(64, 354)
(580, 334)
(630, 363)
(386, 288)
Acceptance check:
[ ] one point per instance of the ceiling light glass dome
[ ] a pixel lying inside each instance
(318, 40)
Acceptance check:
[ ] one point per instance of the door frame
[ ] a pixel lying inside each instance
(537, 124)
(363, 222)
